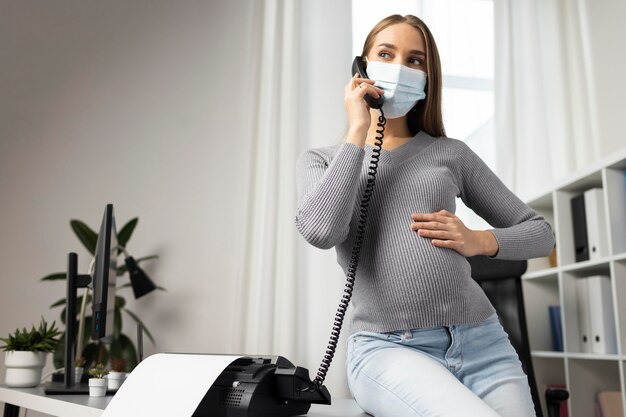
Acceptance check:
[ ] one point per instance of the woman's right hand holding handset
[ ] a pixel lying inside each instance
(359, 117)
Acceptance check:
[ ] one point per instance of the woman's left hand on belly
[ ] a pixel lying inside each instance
(448, 231)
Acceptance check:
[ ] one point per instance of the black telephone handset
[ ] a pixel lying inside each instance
(359, 66)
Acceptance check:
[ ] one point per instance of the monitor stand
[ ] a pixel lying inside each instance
(74, 281)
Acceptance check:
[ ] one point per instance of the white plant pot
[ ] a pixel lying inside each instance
(78, 374)
(115, 379)
(97, 387)
(23, 369)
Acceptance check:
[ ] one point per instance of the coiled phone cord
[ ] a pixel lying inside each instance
(354, 258)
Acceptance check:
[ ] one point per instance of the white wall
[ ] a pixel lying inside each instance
(604, 23)
(143, 104)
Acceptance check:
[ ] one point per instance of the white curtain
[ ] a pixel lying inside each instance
(288, 289)
(545, 109)
(268, 288)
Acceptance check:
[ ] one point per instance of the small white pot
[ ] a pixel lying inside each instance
(97, 387)
(115, 379)
(23, 369)
(78, 374)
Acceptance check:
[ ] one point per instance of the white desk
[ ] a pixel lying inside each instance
(86, 406)
(56, 405)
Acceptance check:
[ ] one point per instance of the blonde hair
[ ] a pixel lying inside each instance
(426, 115)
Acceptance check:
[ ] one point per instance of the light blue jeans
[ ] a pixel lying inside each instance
(462, 370)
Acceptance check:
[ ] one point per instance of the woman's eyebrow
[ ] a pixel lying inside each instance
(392, 46)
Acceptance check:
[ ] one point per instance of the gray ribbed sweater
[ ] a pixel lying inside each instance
(403, 281)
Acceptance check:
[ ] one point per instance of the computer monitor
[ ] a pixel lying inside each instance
(104, 278)
(103, 303)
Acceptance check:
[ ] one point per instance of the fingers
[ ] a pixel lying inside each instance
(441, 237)
(356, 80)
(436, 233)
(361, 86)
(415, 226)
(443, 216)
(431, 221)
(439, 225)
(445, 230)
(359, 117)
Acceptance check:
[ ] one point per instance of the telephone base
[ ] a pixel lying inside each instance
(266, 386)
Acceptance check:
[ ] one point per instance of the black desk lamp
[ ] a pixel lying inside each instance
(141, 282)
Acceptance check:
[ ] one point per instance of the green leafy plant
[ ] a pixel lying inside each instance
(42, 339)
(99, 371)
(121, 347)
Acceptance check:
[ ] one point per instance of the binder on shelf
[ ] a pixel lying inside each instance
(595, 315)
(556, 330)
(580, 228)
(597, 238)
(584, 315)
(603, 337)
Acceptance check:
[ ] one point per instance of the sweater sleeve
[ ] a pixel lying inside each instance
(326, 194)
(521, 233)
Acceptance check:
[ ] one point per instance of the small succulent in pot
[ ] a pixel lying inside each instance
(98, 371)
(97, 382)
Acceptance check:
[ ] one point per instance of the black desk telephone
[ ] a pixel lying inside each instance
(261, 386)
(271, 386)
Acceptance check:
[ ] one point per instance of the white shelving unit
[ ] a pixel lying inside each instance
(584, 374)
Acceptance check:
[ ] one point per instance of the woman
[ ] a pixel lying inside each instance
(425, 341)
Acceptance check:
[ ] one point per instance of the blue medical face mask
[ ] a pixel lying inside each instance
(403, 86)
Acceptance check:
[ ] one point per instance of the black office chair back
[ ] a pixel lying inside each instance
(501, 281)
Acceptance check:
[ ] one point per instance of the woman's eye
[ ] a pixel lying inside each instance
(384, 55)
(415, 61)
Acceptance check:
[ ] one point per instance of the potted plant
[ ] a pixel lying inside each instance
(121, 346)
(97, 382)
(117, 374)
(79, 368)
(25, 353)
